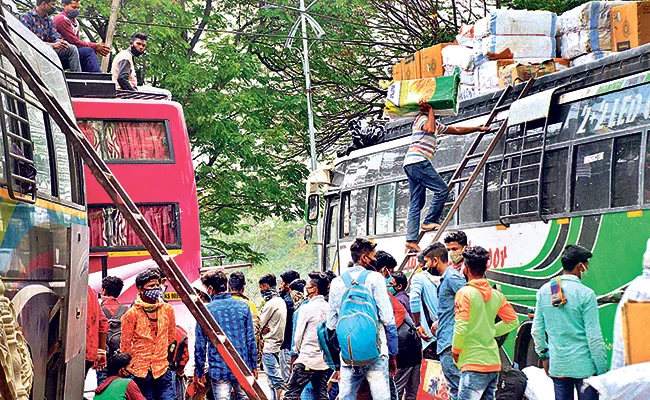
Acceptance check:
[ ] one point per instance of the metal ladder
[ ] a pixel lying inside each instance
(472, 154)
(131, 213)
(521, 173)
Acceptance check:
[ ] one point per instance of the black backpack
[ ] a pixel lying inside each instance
(409, 345)
(114, 334)
(512, 384)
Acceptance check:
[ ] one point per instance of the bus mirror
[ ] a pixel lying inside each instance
(313, 207)
(309, 232)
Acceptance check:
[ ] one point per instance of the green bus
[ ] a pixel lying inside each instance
(572, 167)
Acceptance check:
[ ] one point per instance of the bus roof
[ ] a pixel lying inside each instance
(615, 66)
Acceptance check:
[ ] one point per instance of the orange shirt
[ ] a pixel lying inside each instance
(147, 338)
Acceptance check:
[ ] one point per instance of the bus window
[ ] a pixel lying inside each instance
(355, 218)
(391, 164)
(63, 164)
(591, 176)
(385, 220)
(625, 184)
(41, 150)
(402, 206)
(108, 228)
(491, 192)
(330, 235)
(470, 210)
(138, 141)
(554, 182)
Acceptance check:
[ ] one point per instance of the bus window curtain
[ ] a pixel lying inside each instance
(108, 228)
(97, 223)
(137, 140)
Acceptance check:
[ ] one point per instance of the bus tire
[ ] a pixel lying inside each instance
(524, 351)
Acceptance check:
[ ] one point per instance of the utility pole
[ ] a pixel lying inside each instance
(305, 67)
(110, 31)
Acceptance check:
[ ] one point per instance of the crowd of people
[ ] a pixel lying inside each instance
(362, 334)
(62, 34)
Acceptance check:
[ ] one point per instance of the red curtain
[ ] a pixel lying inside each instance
(109, 228)
(136, 140)
(93, 131)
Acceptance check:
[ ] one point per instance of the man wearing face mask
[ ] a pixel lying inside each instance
(118, 386)
(309, 366)
(424, 302)
(456, 243)
(39, 22)
(567, 313)
(451, 282)
(273, 319)
(377, 373)
(123, 67)
(235, 319)
(148, 329)
(68, 26)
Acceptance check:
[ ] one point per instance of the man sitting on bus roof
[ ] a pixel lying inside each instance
(39, 22)
(68, 27)
(123, 68)
(418, 165)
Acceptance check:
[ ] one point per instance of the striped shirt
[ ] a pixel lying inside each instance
(423, 144)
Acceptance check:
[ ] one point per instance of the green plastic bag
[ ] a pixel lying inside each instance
(403, 97)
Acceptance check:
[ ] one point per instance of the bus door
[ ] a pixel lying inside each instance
(331, 235)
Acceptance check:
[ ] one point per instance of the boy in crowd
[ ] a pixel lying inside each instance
(473, 346)
(273, 319)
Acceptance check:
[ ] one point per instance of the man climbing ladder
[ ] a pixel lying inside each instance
(418, 165)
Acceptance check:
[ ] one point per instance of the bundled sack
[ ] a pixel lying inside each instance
(488, 75)
(441, 93)
(528, 34)
(466, 92)
(629, 383)
(538, 385)
(589, 57)
(586, 29)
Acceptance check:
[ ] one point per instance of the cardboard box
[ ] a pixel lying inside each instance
(412, 68)
(431, 60)
(636, 319)
(514, 74)
(630, 25)
(398, 71)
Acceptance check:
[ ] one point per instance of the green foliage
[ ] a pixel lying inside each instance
(243, 94)
(556, 6)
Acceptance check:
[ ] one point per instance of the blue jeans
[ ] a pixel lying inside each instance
(222, 389)
(69, 58)
(271, 362)
(423, 176)
(285, 364)
(88, 60)
(376, 374)
(163, 388)
(451, 372)
(564, 389)
(477, 385)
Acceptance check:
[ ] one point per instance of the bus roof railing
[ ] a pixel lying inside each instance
(101, 86)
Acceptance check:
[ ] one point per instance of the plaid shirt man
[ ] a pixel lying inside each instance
(235, 319)
(44, 27)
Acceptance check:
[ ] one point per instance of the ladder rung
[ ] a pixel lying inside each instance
(523, 167)
(534, 196)
(21, 158)
(459, 180)
(222, 338)
(23, 179)
(475, 155)
(18, 137)
(16, 116)
(502, 107)
(528, 182)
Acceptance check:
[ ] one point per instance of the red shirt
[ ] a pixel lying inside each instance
(69, 29)
(111, 304)
(96, 323)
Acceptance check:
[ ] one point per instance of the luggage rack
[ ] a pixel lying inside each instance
(101, 86)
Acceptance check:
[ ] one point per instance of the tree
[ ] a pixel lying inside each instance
(243, 97)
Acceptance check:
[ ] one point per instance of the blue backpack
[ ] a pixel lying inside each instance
(358, 323)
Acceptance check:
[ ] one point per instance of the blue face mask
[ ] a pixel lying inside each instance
(153, 294)
(73, 14)
(391, 289)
